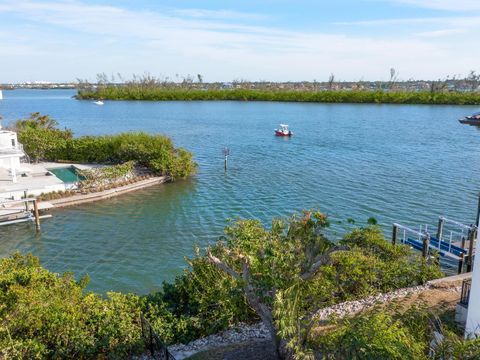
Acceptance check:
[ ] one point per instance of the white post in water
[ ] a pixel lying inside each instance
(226, 153)
(472, 327)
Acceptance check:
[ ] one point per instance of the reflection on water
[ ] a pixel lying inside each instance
(396, 163)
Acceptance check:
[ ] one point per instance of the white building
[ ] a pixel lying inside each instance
(11, 151)
(472, 328)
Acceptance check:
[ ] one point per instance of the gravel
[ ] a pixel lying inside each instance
(353, 307)
(244, 333)
(239, 333)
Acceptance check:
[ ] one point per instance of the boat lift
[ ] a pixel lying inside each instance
(468, 233)
(452, 246)
(22, 214)
(422, 243)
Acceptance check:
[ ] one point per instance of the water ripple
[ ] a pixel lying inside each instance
(407, 164)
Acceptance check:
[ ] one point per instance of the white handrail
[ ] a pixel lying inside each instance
(459, 224)
(405, 228)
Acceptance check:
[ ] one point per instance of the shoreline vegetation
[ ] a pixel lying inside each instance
(126, 156)
(326, 96)
(282, 275)
(449, 91)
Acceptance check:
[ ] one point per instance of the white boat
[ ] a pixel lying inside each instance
(98, 102)
(1, 95)
(283, 130)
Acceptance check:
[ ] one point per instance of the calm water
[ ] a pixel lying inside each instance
(397, 163)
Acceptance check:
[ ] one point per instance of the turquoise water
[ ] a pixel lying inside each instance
(67, 174)
(397, 163)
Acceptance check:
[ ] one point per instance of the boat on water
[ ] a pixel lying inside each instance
(1, 94)
(98, 102)
(473, 119)
(283, 130)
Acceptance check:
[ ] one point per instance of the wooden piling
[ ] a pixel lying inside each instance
(394, 234)
(478, 211)
(471, 238)
(26, 201)
(440, 229)
(462, 257)
(37, 217)
(426, 242)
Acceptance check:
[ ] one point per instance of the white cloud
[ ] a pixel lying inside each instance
(451, 20)
(218, 14)
(441, 33)
(81, 39)
(449, 5)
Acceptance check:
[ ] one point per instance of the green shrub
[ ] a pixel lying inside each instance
(161, 93)
(375, 334)
(41, 137)
(211, 300)
(45, 315)
(42, 140)
(271, 267)
(456, 347)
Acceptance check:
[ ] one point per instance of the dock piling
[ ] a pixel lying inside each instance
(26, 202)
(440, 229)
(462, 257)
(426, 243)
(37, 217)
(471, 239)
(394, 234)
(478, 210)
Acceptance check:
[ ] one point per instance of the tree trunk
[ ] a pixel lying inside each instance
(267, 318)
(262, 310)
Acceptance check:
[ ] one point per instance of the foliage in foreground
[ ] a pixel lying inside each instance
(43, 140)
(375, 334)
(391, 333)
(48, 315)
(289, 272)
(43, 315)
(158, 93)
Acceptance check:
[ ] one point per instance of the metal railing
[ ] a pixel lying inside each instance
(465, 295)
(158, 350)
(18, 149)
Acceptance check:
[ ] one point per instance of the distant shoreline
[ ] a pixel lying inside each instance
(136, 93)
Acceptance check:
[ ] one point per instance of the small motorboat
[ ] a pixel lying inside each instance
(98, 102)
(283, 130)
(473, 119)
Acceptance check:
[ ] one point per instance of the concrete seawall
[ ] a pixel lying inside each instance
(106, 194)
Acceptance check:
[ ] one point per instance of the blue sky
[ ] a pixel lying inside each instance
(278, 40)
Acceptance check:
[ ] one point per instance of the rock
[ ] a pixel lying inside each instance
(353, 307)
(238, 334)
(244, 333)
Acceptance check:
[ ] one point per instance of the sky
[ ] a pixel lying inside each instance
(224, 40)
